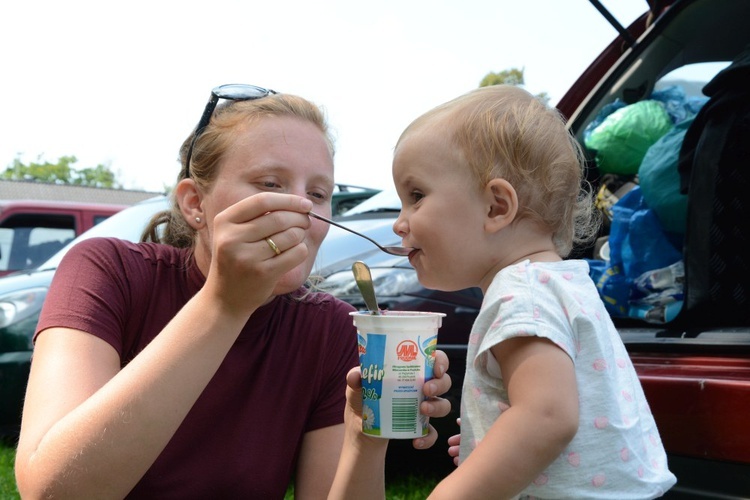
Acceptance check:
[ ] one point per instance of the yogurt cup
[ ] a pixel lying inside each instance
(396, 355)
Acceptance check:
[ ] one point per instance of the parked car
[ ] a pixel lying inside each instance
(22, 295)
(695, 369)
(31, 231)
(347, 196)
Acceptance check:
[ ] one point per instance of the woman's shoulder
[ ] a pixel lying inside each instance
(102, 243)
(108, 247)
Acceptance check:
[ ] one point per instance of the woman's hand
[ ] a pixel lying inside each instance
(361, 470)
(432, 406)
(245, 267)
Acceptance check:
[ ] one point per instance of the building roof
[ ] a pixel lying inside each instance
(30, 190)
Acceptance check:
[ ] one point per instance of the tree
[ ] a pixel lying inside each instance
(61, 172)
(99, 176)
(512, 76)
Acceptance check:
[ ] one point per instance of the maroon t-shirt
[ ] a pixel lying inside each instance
(284, 376)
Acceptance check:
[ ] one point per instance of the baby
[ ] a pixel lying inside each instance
(491, 192)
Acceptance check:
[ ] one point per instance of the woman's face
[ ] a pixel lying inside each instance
(283, 155)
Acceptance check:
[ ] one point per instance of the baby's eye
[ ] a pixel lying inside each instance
(416, 196)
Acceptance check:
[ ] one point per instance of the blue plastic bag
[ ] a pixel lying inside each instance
(637, 245)
(677, 104)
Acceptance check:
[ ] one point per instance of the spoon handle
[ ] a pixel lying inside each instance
(399, 251)
(320, 217)
(364, 281)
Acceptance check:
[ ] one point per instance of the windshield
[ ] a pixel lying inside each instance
(385, 201)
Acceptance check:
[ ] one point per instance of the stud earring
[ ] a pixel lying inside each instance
(198, 220)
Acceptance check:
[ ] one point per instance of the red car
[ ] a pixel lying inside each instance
(695, 369)
(693, 357)
(31, 231)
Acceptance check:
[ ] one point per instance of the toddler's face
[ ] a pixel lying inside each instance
(442, 213)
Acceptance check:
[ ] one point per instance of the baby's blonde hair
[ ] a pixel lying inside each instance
(503, 131)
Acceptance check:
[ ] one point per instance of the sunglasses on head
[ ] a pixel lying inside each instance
(232, 92)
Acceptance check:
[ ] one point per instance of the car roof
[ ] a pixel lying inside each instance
(45, 204)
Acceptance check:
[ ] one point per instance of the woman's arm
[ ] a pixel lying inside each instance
(91, 430)
(528, 436)
(317, 462)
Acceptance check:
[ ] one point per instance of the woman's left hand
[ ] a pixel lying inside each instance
(433, 406)
(361, 469)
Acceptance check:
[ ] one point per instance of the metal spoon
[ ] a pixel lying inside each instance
(400, 251)
(364, 281)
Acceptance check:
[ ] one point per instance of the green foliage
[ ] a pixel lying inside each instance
(543, 96)
(8, 488)
(410, 487)
(512, 76)
(400, 487)
(61, 172)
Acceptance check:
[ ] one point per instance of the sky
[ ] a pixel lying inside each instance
(123, 83)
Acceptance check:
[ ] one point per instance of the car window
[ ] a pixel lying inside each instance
(127, 225)
(100, 218)
(30, 240)
(692, 77)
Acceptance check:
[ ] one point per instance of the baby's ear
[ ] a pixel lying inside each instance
(503, 204)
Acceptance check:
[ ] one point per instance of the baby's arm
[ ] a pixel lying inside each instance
(531, 434)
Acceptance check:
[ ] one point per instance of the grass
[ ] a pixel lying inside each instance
(409, 487)
(8, 489)
(398, 488)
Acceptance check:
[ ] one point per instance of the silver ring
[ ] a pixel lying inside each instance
(273, 246)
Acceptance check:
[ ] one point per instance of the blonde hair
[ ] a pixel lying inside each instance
(503, 131)
(212, 145)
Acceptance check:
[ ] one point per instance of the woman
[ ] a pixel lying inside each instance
(197, 365)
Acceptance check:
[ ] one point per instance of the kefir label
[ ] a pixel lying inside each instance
(394, 368)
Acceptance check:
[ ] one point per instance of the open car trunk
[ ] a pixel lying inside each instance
(694, 358)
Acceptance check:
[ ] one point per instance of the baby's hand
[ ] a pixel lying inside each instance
(454, 443)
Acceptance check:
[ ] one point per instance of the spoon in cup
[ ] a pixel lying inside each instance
(393, 250)
(363, 278)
